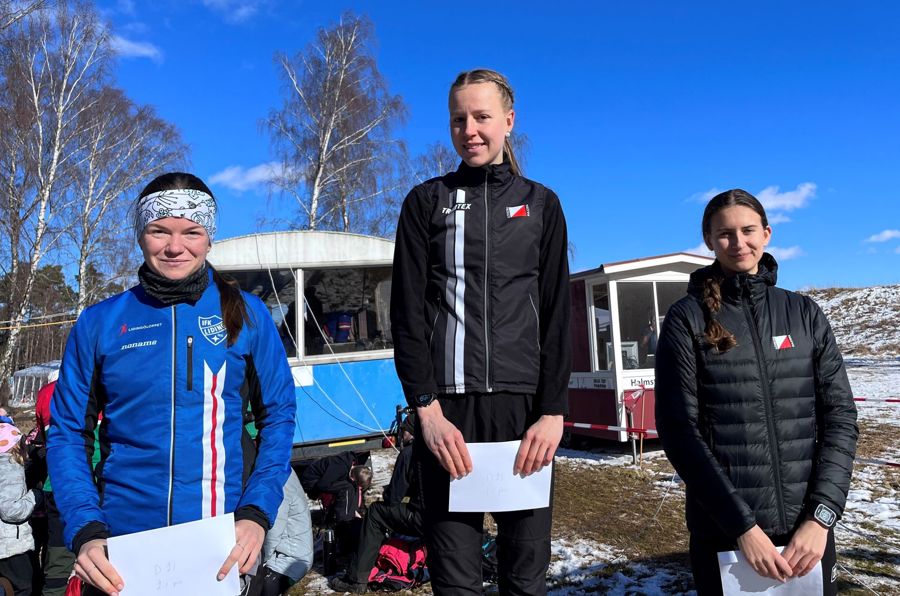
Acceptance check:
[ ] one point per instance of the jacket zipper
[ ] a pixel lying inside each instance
(190, 363)
(537, 320)
(172, 419)
(487, 269)
(767, 400)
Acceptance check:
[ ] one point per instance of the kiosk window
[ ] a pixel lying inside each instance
(667, 294)
(637, 324)
(603, 324)
(279, 294)
(348, 310)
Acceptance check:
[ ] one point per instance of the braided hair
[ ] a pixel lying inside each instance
(715, 333)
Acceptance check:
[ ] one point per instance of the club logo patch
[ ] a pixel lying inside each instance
(782, 342)
(213, 329)
(518, 211)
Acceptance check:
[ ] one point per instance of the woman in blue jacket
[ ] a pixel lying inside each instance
(172, 364)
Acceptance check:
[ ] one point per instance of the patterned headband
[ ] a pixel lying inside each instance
(188, 203)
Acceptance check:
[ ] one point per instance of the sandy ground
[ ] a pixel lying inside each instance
(619, 528)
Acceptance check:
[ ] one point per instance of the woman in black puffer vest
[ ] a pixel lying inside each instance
(754, 408)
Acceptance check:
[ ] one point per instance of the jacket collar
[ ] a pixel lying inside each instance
(496, 174)
(734, 286)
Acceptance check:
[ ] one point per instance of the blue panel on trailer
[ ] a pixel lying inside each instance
(331, 409)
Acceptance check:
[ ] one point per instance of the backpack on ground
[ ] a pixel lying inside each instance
(400, 565)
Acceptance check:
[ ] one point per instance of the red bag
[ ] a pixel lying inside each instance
(73, 588)
(400, 565)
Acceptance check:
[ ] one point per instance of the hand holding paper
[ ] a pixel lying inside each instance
(177, 560)
(492, 485)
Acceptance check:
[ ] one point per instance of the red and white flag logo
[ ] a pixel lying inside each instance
(517, 211)
(782, 342)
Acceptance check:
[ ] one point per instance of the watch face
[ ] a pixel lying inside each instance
(424, 399)
(825, 515)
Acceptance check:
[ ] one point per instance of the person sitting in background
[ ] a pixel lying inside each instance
(339, 482)
(399, 512)
(287, 553)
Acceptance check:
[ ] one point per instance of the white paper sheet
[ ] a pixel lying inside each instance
(492, 486)
(739, 578)
(177, 560)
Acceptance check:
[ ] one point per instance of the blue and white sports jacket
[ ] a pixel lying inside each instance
(173, 395)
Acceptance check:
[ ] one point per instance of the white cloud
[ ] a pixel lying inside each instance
(777, 218)
(135, 49)
(240, 179)
(884, 236)
(789, 200)
(785, 254)
(701, 250)
(235, 11)
(704, 197)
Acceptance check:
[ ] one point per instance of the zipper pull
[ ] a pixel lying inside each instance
(190, 362)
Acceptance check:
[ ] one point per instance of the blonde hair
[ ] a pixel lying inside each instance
(17, 453)
(486, 75)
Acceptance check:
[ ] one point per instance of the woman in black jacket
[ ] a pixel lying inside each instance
(754, 408)
(480, 320)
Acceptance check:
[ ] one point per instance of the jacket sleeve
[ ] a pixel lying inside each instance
(274, 408)
(16, 501)
(409, 329)
(288, 548)
(835, 419)
(553, 287)
(70, 441)
(677, 421)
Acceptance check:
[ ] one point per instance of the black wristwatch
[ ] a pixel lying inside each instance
(422, 400)
(825, 516)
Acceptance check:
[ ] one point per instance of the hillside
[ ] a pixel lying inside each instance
(866, 321)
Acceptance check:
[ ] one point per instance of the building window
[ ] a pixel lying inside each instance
(667, 294)
(637, 324)
(276, 288)
(348, 310)
(603, 324)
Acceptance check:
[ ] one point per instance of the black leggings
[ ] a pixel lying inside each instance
(705, 564)
(455, 539)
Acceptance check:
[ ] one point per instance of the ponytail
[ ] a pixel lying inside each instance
(513, 162)
(231, 301)
(715, 334)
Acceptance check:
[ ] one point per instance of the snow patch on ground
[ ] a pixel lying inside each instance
(863, 319)
(580, 567)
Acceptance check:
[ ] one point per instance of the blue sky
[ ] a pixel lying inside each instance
(636, 111)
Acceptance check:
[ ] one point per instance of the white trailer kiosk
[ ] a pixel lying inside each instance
(329, 295)
(617, 310)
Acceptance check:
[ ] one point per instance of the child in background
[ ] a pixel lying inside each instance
(16, 505)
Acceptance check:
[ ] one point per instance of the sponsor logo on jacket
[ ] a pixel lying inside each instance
(518, 211)
(125, 328)
(139, 344)
(782, 342)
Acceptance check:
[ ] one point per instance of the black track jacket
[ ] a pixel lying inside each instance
(480, 289)
(765, 432)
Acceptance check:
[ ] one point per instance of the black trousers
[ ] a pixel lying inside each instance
(454, 540)
(18, 570)
(705, 564)
(382, 520)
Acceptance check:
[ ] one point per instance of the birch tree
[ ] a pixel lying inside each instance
(121, 147)
(333, 131)
(50, 60)
(13, 11)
